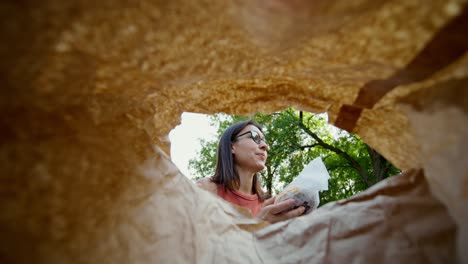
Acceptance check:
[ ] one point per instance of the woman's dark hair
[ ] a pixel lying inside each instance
(226, 173)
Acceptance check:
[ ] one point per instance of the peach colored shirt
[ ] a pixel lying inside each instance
(249, 201)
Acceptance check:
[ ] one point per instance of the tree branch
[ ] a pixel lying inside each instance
(309, 146)
(338, 151)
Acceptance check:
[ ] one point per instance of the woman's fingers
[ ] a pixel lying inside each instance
(289, 214)
(269, 201)
(282, 206)
(294, 213)
(279, 212)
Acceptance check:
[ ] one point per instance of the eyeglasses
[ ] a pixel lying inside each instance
(255, 136)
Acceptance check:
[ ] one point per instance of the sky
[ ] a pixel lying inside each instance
(185, 139)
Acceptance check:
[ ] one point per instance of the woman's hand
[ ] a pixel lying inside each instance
(279, 212)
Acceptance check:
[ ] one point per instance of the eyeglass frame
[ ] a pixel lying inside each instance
(252, 137)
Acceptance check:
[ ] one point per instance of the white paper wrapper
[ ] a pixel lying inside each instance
(304, 189)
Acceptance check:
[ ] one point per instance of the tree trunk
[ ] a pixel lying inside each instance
(269, 181)
(379, 164)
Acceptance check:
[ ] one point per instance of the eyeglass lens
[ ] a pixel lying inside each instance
(255, 136)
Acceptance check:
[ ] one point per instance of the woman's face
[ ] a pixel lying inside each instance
(248, 154)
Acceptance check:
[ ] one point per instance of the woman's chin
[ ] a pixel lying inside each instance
(261, 167)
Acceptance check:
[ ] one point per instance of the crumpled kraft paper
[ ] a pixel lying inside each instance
(395, 221)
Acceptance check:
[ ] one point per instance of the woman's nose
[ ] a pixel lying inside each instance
(264, 145)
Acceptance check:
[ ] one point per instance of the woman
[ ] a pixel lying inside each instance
(242, 153)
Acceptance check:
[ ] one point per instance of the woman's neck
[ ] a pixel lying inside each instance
(246, 181)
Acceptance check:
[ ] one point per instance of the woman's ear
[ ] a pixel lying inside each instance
(233, 148)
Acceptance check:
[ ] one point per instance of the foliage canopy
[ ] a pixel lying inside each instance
(295, 139)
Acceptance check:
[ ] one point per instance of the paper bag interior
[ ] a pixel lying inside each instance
(91, 89)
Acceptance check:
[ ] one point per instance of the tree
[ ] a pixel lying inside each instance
(205, 164)
(297, 137)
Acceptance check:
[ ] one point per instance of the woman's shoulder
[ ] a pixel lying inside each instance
(207, 184)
